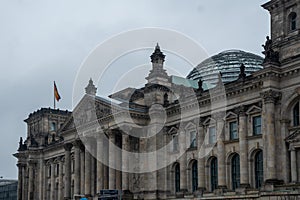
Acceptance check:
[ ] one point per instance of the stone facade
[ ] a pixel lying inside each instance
(240, 140)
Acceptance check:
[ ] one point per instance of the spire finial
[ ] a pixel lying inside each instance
(157, 56)
(157, 46)
(90, 88)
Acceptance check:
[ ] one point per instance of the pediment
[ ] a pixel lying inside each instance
(253, 109)
(231, 115)
(89, 109)
(173, 131)
(209, 121)
(294, 136)
(190, 126)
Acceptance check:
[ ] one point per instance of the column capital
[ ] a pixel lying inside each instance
(31, 163)
(271, 96)
(292, 148)
(68, 146)
(20, 165)
(241, 110)
(77, 143)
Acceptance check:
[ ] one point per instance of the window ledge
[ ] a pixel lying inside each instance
(232, 141)
(254, 137)
(192, 149)
(293, 32)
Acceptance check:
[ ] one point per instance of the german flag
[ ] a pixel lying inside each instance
(56, 94)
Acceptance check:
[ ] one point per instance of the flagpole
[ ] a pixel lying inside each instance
(53, 94)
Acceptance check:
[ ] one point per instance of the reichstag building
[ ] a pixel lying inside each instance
(229, 130)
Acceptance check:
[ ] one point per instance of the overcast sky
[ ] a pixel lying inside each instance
(46, 40)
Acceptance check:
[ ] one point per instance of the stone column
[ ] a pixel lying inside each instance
(68, 148)
(76, 145)
(30, 180)
(201, 160)
(24, 182)
(45, 181)
(112, 158)
(268, 122)
(244, 181)
(82, 160)
(41, 178)
(221, 153)
(52, 180)
(293, 165)
(20, 180)
(99, 162)
(105, 162)
(183, 163)
(87, 170)
(60, 180)
(93, 167)
(125, 163)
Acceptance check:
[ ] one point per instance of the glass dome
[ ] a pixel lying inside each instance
(228, 63)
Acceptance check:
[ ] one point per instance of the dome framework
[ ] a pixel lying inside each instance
(228, 63)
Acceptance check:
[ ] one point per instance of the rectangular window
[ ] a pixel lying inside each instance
(193, 140)
(233, 130)
(257, 125)
(212, 135)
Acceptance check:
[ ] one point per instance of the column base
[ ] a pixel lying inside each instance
(271, 183)
(274, 182)
(245, 185)
(243, 188)
(200, 191)
(221, 189)
(181, 193)
(127, 195)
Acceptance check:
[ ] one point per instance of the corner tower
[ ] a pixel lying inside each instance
(285, 24)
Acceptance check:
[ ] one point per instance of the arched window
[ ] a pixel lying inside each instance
(235, 171)
(56, 190)
(293, 21)
(177, 178)
(194, 176)
(296, 116)
(259, 170)
(214, 173)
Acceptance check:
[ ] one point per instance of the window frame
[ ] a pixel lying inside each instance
(212, 138)
(296, 116)
(230, 130)
(193, 140)
(235, 171)
(177, 177)
(175, 146)
(194, 175)
(254, 133)
(258, 169)
(292, 21)
(214, 173)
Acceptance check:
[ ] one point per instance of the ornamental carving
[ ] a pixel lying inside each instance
(271, 96)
